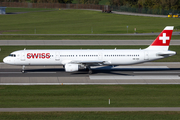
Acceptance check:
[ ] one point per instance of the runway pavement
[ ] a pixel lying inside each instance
(139, 14)
(147, 73)
(85, 109)
(79, 42)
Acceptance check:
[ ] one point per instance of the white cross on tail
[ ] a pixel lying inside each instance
(164, 38)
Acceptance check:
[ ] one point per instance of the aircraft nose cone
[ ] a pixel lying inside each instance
(5, 60)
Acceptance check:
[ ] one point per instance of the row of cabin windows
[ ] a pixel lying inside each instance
(96, 55)
(79, 55)
(120, 55)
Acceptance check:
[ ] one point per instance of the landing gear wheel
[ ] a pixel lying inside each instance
(23, 71)
(90, 71)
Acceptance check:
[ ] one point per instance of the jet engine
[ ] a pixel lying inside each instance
(73, 67)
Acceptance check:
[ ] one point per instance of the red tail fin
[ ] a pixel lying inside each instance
(163, 40)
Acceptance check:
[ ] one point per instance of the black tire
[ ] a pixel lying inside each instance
(90, 72)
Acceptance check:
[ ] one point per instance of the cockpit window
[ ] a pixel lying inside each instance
(12, 55)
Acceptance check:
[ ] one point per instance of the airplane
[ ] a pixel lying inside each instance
(73, 60)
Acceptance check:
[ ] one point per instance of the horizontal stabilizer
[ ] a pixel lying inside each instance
(166, 53)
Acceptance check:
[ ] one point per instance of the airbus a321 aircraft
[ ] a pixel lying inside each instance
(74, 60)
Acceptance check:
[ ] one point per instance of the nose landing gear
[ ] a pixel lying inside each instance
(23, 67)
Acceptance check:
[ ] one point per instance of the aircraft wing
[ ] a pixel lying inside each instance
(89, 62)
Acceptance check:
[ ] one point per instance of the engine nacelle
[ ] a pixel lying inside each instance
(71, 67)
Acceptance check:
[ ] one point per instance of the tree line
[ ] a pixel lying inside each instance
(55, 1)
(39, 1)
(152, 4)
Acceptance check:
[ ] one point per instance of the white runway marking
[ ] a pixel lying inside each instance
(135, 77)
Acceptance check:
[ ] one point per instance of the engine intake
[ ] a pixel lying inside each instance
(73, 67)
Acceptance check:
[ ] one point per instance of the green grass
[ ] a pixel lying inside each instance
(90, 96)
(104, 2)
(90, 115)
(14, 10)
(81, 37)
(6, 50)
(80, 22)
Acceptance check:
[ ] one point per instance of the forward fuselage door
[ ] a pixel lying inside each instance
(146, 55)
(57, 56)
(23, 56)
(100, 56)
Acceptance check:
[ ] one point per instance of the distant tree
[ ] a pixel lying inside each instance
(149, 4)
(117, 2)
(65, 1)
(44, 1)
(12, 1)
(88, 1)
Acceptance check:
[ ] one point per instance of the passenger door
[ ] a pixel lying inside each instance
(57, 56)
(23, 56)
(146, 55)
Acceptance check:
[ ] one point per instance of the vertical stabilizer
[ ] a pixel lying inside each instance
(163, 40)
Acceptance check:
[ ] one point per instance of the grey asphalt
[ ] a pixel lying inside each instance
(79, 42)
(139, 14)
(90, 109)
(147, 73)
(134, 14)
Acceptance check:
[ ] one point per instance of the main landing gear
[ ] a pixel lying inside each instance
(23, 71)
(89, 70)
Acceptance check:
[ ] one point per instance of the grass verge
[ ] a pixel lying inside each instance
(90, 115)
(82, 37)
(90, 96)
(80, 22)
(6, 50)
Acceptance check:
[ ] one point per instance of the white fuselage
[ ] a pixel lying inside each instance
(62, 57)
(73, 60)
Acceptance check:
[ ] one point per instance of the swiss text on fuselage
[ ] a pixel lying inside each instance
(38, 55)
